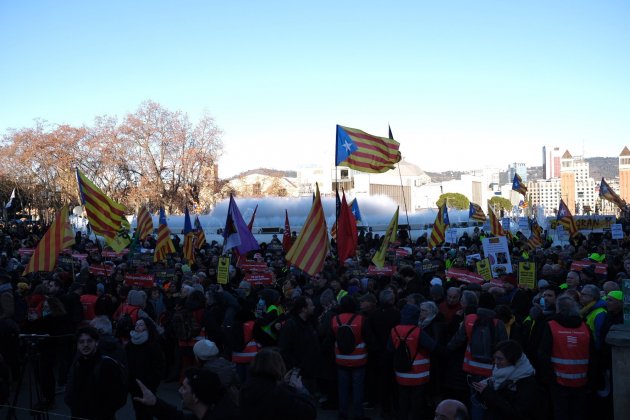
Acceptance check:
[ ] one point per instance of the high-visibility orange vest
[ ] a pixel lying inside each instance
(421, 367)
(570, 354)
(251, 346)
(359, 356)
(471, 365)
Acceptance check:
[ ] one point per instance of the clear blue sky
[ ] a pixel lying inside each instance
(464, 84)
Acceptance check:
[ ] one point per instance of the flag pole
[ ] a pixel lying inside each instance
(402, 190)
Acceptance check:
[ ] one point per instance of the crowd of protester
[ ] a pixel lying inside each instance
(414, 344)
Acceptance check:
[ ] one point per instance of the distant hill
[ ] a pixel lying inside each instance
(607, 167)
(267, 172)
(444, 176)
(599, 167)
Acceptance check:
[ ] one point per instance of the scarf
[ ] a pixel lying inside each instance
(426, 321)
(507, 376)
(139, 337)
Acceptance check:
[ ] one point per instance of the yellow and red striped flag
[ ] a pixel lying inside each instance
(535, 240)
(309, 250)
(144, 225)
(164, 244)
(59, 236)
(438, 233)
(200, 239)
(105, 215)
(495, 223)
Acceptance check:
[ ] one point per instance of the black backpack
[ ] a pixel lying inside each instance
(125, 324)
(403, 359)
(118, 393)
(185, 325)
(482, 340)
(345, 337)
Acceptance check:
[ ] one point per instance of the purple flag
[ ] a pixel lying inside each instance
(236, 234)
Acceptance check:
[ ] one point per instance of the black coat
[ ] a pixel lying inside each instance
(90, 384)
(520, 401)
(299, 346)
(264, 399)
(145, 362)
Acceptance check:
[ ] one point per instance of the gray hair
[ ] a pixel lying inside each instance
(102, 324)
(565, 305)
(430, 306)
(592, 290)
(327, 297)
(470, 299)
(387, 297)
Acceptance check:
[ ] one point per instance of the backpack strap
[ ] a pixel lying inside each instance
(407, 336)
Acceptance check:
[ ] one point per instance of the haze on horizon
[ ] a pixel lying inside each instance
(463, 85)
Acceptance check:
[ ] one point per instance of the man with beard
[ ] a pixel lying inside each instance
(96, 385)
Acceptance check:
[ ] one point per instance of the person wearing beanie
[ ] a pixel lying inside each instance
(207, 355)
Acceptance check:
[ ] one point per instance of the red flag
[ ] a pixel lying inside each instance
(251, 221)
(346, 232)
(286, 235)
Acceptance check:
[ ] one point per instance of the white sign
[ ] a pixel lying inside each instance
(523, 226)
(505, 224)
(561, 234)
(616, 230)
(451, 236)
(496, 250)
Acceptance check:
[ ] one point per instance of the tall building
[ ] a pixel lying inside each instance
(551, 162)
(624, 174)
(545, 194)
(577, 188)
(519, 168)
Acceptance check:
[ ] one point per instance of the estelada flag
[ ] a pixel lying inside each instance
(609, 194)
(364, 152)
(475, 212)
(518, 185)
(565, 218)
